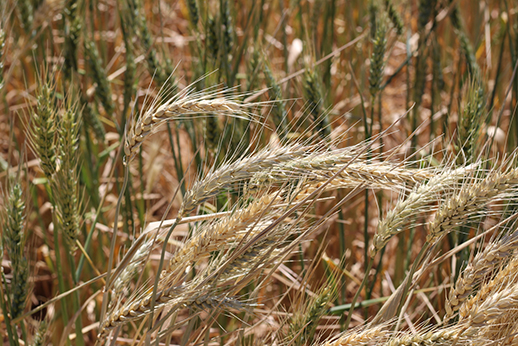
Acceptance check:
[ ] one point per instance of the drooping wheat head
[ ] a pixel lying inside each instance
(419, 200)
(458, 208)
(183, 104)
(478, 269)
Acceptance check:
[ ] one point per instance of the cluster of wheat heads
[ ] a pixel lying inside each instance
(225, 261)
(235, 259)
(272, 190)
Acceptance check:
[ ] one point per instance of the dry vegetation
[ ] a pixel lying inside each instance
(322, 172)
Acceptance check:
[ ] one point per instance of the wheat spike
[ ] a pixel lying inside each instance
(42, 133)
(14, 239)
(235, 172)
(183, 104)
(456, 210)
(422, 195)
(366, 336)
(482, 265)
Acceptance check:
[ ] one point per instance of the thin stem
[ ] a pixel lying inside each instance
(357, 294)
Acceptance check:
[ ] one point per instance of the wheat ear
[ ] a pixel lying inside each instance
(39, 338)
(14, 240)
(43, 130)
(66, 178)
(504, 278)
(478, 269)
(218, 235)
(493, 307)
(366, 336)
(238, 171)
(183, 104)
(447, 336)
(2, 55)
(421, 196)
(381, 175)
(456, 210)
(223, 277)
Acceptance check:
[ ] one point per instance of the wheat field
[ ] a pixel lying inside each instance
(303, 172)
